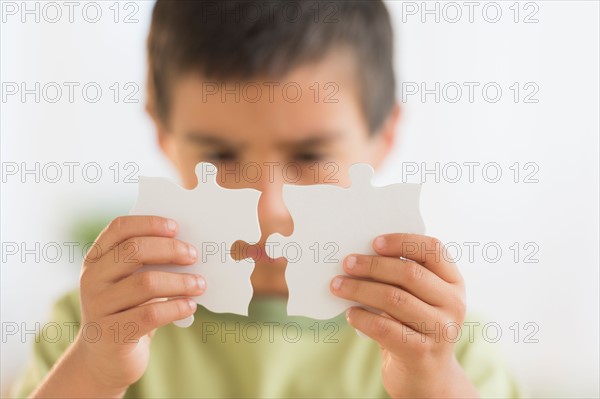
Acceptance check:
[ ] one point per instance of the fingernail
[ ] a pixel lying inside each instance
(201, 282)
(191, 303)
(351, 262)
(379, 242)
(171, 225)
(337, 283)
(193, 252)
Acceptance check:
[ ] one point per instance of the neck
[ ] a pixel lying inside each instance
(268, 279)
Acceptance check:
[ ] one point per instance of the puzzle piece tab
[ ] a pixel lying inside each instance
(211, 218)
(331, 222)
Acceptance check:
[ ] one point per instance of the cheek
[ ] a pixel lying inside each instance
(176, 154)
(190, 181)
(358, 148)
(185, 163)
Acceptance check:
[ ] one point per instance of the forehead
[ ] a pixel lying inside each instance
(320, 96)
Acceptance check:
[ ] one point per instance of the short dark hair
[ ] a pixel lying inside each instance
(237, 39)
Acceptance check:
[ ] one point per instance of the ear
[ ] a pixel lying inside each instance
(384, 138)
(163, 140)
(162, 136)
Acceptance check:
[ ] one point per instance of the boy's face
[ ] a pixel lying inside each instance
(305, 128)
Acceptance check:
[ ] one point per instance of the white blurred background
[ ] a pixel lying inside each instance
(549, 48)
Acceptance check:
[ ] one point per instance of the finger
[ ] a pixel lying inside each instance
(389, 333)
(184, 323)
(404, 273)
(398, 303)
(132, 254)
(428, 251)
(142, 287)
(126, 227)
(148, 317)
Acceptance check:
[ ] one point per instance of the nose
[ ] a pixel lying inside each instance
(273, 214)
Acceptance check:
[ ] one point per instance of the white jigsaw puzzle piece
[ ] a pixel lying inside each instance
(211, 218)
(331, 222)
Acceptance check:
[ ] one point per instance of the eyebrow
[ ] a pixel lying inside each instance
(315, 140)
(208, 139)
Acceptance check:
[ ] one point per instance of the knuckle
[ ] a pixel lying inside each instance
(93, 305)
(150, 315)
(459, 306)
(187, 282)
(382, 327)
(181, 308)
(353, 286)
(432, 243)
(136, 242)
(175, 246)
(423, 346)
(446, 322)
(148, 281)
(84, 279)
(415, 271)
(132, 247)
(155, 223)
(395, 297)
(374, 265)
(117, 223)
(93, 253)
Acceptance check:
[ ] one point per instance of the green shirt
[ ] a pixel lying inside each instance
(267, 354)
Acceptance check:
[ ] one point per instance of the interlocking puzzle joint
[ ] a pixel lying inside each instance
(330, 222)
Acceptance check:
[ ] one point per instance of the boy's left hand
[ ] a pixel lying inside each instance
(422, 297)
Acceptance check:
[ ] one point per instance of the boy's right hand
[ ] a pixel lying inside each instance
(120, 309)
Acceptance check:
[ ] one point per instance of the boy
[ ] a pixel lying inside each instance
(304, 83)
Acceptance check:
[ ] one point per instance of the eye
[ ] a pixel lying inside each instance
(308, 157)
(221, 156)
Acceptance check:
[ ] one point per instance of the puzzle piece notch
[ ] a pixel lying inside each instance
(205, 215)
(361, 175)
(347, 219)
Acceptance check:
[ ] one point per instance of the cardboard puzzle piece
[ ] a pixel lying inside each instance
(211, 218)
(331, 222)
